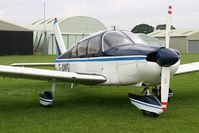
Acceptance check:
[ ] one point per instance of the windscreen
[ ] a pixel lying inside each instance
(135, 38)
(114, 38)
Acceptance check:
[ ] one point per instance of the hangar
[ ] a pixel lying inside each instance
(186, 41)
(15, 40)
(151, 40)
(73, 29)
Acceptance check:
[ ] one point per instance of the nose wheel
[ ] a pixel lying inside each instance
(149, 114)
(149, 104)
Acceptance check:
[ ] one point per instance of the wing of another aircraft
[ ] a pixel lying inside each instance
(187, 68)
(41, 74)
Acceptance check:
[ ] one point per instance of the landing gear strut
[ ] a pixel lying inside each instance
(46, 97)
(157, 92)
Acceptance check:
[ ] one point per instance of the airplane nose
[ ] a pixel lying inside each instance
(164, 57)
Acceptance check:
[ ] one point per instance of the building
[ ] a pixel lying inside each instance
(15, 40)
(186, 41)
(73, 29)
(152, 41)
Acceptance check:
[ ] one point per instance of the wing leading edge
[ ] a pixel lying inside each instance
(41, 74)
(33, 64)
(187, 68)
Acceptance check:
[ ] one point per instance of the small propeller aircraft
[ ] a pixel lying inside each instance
(111, 57)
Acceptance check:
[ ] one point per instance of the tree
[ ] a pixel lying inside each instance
(163, 27)
(143, 28)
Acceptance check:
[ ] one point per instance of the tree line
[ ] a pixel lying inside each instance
(145, 28)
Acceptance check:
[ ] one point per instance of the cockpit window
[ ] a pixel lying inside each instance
(74, 51)
(135, 38)
(114, 38)
(94, 45)
(82, 48)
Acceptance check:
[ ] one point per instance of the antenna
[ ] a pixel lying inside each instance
(45, 33)
(114, 27)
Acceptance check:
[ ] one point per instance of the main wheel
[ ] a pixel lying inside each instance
(149, 114)
(46, 98)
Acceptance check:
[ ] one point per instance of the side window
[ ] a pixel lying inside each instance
(74, 52)
(82, 48)
(94, 45)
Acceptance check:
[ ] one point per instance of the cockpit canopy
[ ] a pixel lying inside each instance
(97, 43)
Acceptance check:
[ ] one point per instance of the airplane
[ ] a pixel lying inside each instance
(111, 57)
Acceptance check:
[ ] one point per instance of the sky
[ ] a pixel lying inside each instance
(125, 14)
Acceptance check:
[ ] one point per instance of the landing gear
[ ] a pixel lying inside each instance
(149, 114)
(46, 97)
(157, 92)
(149, 105)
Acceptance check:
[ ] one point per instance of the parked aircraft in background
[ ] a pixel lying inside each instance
(111, 57)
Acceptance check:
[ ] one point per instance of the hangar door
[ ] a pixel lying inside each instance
(16, 42)
(193, 46)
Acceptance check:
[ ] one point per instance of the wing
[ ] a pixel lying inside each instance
(33, 64)
(41, 74)
(187, 68)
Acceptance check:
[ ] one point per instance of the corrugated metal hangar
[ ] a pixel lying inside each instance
(15, 40)
(73, 29)
(186, 41)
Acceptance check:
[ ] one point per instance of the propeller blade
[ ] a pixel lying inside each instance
(165, 80)
(165, 74)
(168, 26)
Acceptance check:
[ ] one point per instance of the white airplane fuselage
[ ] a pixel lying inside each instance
(118, 70)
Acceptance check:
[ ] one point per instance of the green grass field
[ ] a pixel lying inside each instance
(93, 109)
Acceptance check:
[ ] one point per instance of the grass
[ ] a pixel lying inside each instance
(93, 109)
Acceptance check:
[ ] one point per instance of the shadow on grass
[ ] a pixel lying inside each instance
(70, 102)
(89, 101)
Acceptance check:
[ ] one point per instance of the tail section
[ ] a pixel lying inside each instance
(59, 39)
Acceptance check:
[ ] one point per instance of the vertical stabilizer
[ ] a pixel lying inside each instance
(59, 39)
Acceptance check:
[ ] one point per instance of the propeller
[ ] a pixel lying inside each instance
(165, 74)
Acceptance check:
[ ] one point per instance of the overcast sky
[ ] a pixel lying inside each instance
(123, 13)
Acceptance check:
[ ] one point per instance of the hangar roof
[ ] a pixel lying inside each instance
(175, 33)
(76, 24)
(6, 26)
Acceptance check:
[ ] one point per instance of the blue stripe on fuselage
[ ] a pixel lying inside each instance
(104, 59)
